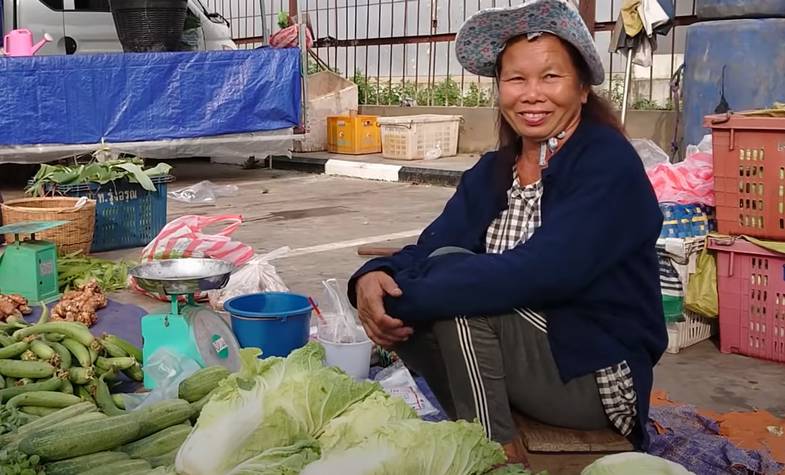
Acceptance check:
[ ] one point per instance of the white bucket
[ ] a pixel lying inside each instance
(353, 358)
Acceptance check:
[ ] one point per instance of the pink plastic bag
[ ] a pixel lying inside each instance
(185, 237)
(688, 182)
(289, 37)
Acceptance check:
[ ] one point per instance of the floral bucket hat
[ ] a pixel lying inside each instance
(484, 35)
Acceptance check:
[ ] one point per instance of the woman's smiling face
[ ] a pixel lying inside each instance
(540, 92)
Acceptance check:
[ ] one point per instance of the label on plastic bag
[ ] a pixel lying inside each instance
(397, 381)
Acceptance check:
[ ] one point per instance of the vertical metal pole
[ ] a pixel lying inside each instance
(303, 64)
(625, 96)
(263, 15)
(16, 14)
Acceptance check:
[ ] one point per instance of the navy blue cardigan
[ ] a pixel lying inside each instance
(591, 267)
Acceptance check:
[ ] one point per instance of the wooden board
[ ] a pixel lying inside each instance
(539, 437)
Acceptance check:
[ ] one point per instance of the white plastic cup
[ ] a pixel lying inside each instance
(353, 358)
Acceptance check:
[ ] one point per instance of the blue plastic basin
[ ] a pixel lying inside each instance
(276, 322)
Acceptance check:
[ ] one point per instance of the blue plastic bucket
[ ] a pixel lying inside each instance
(276, 322)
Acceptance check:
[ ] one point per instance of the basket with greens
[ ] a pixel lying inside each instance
(130, 199)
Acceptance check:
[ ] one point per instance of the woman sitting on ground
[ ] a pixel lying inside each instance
(537, 288)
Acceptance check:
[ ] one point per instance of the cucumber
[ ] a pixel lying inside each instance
(118, 400)
(104, 398)
(199, 384)
(81, 438)
(52, 384)
(44, 351)
(80, 352)
(135, 372)
(79, 375)
(47, 422)
(63, 353)
(39, 411)
(198, 405)
(67, 387)
(120, 363)
(14, 350)
(79, 465)
(160, 443)
(160, 415)
(164, 460)
(26, 369)
(6, 340)
(120, 467)
(129, 348)
(43, 398)
(73, 330)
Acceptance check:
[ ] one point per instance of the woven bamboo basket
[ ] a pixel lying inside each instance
(76, 235)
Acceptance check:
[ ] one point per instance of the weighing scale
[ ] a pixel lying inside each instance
(190, 330)
(28, 267)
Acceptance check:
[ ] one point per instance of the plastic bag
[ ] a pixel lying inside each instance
(688, 182)
(289, 37)
(258, 275)
(203, 192)
(185, 237)
(651, 154)
(397, 381)
(701, 296)
(338, 322)
(167, 370)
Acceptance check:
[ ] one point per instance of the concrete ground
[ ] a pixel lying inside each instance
(323, 219)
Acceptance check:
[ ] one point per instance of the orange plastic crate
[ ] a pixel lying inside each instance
(749, 174)
(353, 134)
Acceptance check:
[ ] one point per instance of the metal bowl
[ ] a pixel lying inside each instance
(182, 276)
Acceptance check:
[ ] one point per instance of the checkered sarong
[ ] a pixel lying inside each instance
(516, 225)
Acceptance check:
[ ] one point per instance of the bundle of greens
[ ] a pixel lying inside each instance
(13, 462)
(95, 172)
(76, 270)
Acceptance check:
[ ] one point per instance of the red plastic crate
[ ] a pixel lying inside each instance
(749, 174)
(751, 286)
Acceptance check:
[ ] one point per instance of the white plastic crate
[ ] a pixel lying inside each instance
(416, 137)
(694, 329)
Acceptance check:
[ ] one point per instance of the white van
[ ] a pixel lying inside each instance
(87, 26)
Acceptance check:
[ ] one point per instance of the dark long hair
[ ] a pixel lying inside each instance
(597, 109)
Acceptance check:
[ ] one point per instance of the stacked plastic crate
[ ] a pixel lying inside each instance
(749, 185)
(683, 237)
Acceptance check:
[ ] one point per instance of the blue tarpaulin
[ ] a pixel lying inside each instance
(87, 99)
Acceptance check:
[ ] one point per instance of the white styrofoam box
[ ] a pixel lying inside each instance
(328, 94)
(417, 137)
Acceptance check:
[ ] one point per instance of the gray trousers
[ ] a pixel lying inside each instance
(480, 368)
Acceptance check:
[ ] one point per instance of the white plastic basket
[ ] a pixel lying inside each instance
(416, 137)
(694, 329)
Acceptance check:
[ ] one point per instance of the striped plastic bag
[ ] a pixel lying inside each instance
(186, 237)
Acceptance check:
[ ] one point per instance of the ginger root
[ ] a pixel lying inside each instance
(13, 304)
(81, 304)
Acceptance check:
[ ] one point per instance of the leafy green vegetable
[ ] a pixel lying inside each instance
(270, 403)
(280, 461)
(11, 418)
(415, 446)
(634, 462)
(362, 420)
(96, 172)
(76, 269)
(512, 469)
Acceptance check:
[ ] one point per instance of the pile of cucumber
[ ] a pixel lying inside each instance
(50, 365)
(58, 416)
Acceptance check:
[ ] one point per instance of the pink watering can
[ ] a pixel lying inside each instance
(20, 43)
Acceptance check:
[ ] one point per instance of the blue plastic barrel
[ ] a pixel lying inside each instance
(725, 9)
(276, 322)
(752, 52)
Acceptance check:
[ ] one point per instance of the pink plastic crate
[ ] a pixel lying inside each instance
(751, 286)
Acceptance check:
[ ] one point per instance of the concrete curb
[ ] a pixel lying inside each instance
(369, 171)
